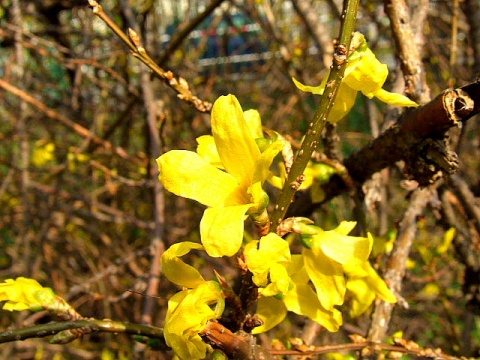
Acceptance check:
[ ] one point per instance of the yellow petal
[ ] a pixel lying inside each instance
(221, 229)
(186, 174)
(208, 150)
(376, 283)
(24, 293)
(176, 270)
(317, 90)
(272, 249)
(368, 75)
(365, 284)
(279, 281)
(394, 99)
(363, 297)
(344, 248)
(262, 165)
(254, 123)
(344, 100)
(259, 199)
(235, 144)
(327, 277)
(343, 103)
(297, 271)
(271, 311)
(187, 315)
(302, 300)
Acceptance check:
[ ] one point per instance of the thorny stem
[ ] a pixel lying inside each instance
(310, 142)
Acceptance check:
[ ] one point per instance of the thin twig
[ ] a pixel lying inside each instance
(157, 244)
(132, 40)
(80, 130)
(186, 29)
(53, 328)
(408, 49)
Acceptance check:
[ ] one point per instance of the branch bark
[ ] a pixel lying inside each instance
(414, 139)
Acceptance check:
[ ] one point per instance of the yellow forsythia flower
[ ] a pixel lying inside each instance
(322, 264)
(230, 195)
(324, 259)
(300, 299)
(187, 315)
(364, 284)
(189, 310)
(365, 73)
(267, 260)
(25, 294)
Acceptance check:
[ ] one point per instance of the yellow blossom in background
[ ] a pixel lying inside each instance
(43, 153)
(25, 294)
(230, 191)
(365, 73)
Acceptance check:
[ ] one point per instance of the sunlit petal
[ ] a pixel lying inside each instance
(394, 98)
(343, 103)
(236, 146)
(302, 300)
(186, 174)
(317, 90)
(344, 248)
(271, 311)
(262, 165)
(369, 74)
(208, 150)
(254, 123)
(187, 315)
(327, 277)
(176, 270)
(221, 229)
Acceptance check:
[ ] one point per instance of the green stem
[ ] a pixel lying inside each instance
(93, 324)
(320, 118)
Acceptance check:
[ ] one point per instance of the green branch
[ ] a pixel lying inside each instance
(295, 176)
(83, 326)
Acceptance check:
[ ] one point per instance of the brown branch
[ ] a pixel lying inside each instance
(397, 262)
(414, 139)
(468, 200)
(114, 215)
(407, 43)
(238, 346)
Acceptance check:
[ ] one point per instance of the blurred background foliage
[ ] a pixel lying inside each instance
(79, 218)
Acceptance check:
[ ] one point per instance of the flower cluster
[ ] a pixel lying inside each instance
(227, 173)
(331, 260)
